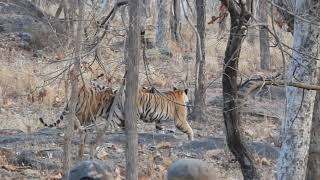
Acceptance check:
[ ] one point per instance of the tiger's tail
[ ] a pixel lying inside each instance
(57, 121)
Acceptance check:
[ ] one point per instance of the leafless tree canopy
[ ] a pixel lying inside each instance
(246, 71)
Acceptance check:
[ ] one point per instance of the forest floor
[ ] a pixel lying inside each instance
(30, 151)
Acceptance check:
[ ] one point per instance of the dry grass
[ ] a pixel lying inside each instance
(21, 74)
(16, 83)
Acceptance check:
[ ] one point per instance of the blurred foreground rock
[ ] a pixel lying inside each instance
(191, 169)
(36, 29)
(90, 170)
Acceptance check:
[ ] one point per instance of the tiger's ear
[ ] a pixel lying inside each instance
(186, 91)
(174, 88)
(153, 90)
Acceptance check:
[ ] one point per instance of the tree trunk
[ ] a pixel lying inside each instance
(223, 14)
(252, 33)
(231, 113)
(176, 21)
(264, 35)
(199, 93)
(313, 170)
(286, 6)
(132, 90)
(293, 157)
(162, 26)
(70, 6)
(144, 15)
(74, 94)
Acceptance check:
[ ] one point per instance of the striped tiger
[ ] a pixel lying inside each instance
(157, 107)
(93, 102)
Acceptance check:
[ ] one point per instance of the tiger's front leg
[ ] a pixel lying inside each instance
(186, 128)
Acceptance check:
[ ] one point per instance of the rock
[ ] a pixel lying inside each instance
(149, 43)
(26, 37)
(10, 132)
(165, 53)
(191, 169)
(89, 170)
(216, 101)
(143, 138)
(5, 174)
(29, 158)
(37, 29)
(266, 150)
(20, 7)
(24, 45)
(210, 143)
(32, 31)
(50, 153)
(201, 145)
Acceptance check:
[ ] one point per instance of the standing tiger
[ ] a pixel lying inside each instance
(152, 107)
(93, 102)
(156, 107)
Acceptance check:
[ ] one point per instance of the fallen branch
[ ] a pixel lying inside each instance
(252, 84)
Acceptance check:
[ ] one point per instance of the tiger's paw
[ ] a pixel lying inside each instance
(160, 131)
(190, 137)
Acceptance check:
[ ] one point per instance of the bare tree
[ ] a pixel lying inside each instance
(162, 26)
(176, 20)
(252, 32)
(223, 14)
(283, 7)
(199, 94)
(74, 92)
(144, 14)
(313, 170)
(239, 17)
(132, 89)
(264, 34)
(70, 6)
(293, 158)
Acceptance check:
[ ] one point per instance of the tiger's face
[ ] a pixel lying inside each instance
(148, 89)
(183, 93)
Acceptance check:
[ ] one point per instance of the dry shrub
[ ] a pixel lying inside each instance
(46, 95)
(1, 98)
(16, 83)
(249, 59)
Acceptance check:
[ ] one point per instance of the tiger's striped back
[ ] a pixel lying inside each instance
(157, 107)
(92, 102)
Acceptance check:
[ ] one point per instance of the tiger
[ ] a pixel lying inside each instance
(157, 107)
(93, 101)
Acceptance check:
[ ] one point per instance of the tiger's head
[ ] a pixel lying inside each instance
(183, 93)
(149, 89)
